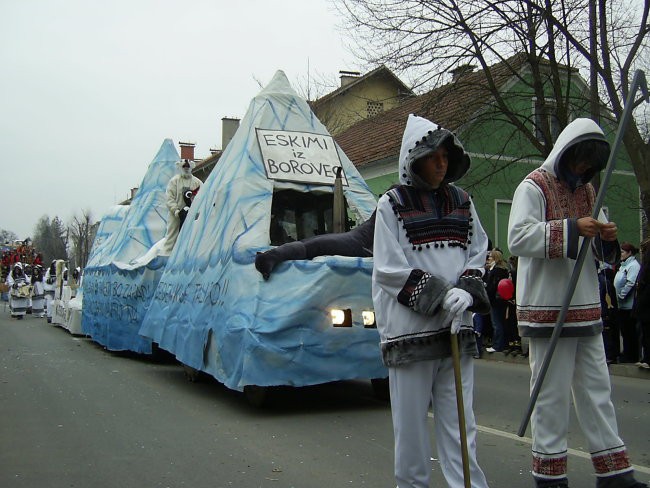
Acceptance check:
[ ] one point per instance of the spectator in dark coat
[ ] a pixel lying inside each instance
(642, 305)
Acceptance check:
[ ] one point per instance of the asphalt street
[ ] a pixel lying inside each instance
(75, 415)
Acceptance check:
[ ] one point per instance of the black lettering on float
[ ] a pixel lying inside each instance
(184, 294)
(159, 291)
(215, 293)
(145, 291)
(268, 139)
(131, 313)
(273, 168)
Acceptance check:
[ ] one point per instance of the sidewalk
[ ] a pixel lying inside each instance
(629, 370)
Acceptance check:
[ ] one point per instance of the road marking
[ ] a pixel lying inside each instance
(529, 441)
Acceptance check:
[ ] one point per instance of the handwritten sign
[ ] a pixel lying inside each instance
(299, 156)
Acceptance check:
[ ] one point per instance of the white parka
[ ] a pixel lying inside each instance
(543, 232)
(411, 277)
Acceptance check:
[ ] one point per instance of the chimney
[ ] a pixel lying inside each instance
(214, 150)
(133, 192)
(458, 73)
(229, 126)
(187, 150)
(348, 77)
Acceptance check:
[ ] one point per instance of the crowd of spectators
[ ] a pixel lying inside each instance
(625, 308)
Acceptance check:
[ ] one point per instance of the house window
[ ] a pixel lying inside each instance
(548, 112)
(374, 108)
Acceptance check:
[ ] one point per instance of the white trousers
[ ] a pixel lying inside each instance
(49, 301)
(579, 369)
(413, 388)
(38, 307)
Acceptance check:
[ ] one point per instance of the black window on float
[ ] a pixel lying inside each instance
(297, 215)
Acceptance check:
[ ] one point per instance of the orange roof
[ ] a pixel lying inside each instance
(380, 137)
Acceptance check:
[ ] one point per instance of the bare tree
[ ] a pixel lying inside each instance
(81, 232)
(51, 238)
(313, 84)
(429, 38)
(7, 236)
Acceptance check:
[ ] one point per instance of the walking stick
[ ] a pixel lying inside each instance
(460, 405)
(638, 82)
(339, 214)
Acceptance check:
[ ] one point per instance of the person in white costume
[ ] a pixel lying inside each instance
(38, 292)
(177, 188)
(429, 255)
(49, 287)
(551, 210)
(19, 291)
(75, 283)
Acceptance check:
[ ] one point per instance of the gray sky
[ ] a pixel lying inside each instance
(89, 89)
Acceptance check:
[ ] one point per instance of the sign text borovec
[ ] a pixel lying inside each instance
(299, 156)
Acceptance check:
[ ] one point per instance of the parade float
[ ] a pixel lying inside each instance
(72, 311)
(122, 273)
(312, 322)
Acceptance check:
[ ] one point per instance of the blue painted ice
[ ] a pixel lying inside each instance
(108, 225)
(124, 269)
(213, 310)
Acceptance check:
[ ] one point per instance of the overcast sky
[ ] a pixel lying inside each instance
(89, 89)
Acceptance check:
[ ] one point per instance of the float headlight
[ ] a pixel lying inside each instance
(341, 318)
(368, 319)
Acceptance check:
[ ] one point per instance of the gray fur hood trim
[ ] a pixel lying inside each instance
(423, 137)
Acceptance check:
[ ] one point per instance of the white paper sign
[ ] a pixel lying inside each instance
(299, 156)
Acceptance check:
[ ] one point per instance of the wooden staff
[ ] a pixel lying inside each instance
(339, 215)
(460, 406)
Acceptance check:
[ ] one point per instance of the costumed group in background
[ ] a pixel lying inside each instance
(33, 291)
(433, 272)
(30, 288)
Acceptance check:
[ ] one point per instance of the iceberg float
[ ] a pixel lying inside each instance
(124, 269)
(213, 310)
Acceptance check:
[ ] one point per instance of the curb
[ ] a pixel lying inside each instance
(627, 370)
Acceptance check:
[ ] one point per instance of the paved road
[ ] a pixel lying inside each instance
(75, 415)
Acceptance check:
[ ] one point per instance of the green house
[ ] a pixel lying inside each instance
(501, 154)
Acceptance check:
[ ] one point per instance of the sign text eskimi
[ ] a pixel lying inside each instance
(299, 156)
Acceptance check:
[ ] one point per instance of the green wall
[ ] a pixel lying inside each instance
(492, 181)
